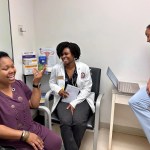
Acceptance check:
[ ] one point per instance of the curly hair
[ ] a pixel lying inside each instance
(148, 27)
(3, 54)
(74, 49)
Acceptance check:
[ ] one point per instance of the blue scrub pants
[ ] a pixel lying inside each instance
(140, 104)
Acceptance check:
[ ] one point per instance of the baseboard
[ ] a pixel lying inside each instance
(124, 129)
(121, 129)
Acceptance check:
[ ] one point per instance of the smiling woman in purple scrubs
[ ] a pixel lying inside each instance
(17, 128)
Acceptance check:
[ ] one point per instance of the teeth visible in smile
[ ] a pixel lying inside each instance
(65, 59)
(11, 77)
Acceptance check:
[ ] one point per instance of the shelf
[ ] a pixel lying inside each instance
(24, 76)
(122, 99)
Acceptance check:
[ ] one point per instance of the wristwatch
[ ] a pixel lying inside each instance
(37, 86)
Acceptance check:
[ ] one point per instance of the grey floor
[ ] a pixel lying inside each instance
(120, 141)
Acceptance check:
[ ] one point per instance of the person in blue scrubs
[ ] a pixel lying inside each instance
(140, 102)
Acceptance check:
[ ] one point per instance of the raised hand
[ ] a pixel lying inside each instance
(38, 75)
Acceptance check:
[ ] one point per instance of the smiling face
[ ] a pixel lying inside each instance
(147, 33)
(67, 57)
(7, 71)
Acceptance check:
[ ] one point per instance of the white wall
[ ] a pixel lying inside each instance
(109, 33)
(5, 39)
(22, 14)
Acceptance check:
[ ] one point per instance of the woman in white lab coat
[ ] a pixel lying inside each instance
(73, 115)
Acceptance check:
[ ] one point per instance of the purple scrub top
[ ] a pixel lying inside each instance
(15, 113)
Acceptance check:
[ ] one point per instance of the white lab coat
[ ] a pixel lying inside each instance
(84, 83)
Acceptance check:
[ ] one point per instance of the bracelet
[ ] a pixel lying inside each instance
(24, 135)
(36, 86)
(23, 132)
(27, 135)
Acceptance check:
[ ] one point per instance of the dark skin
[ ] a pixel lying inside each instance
(69, 63)
(7, 77)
